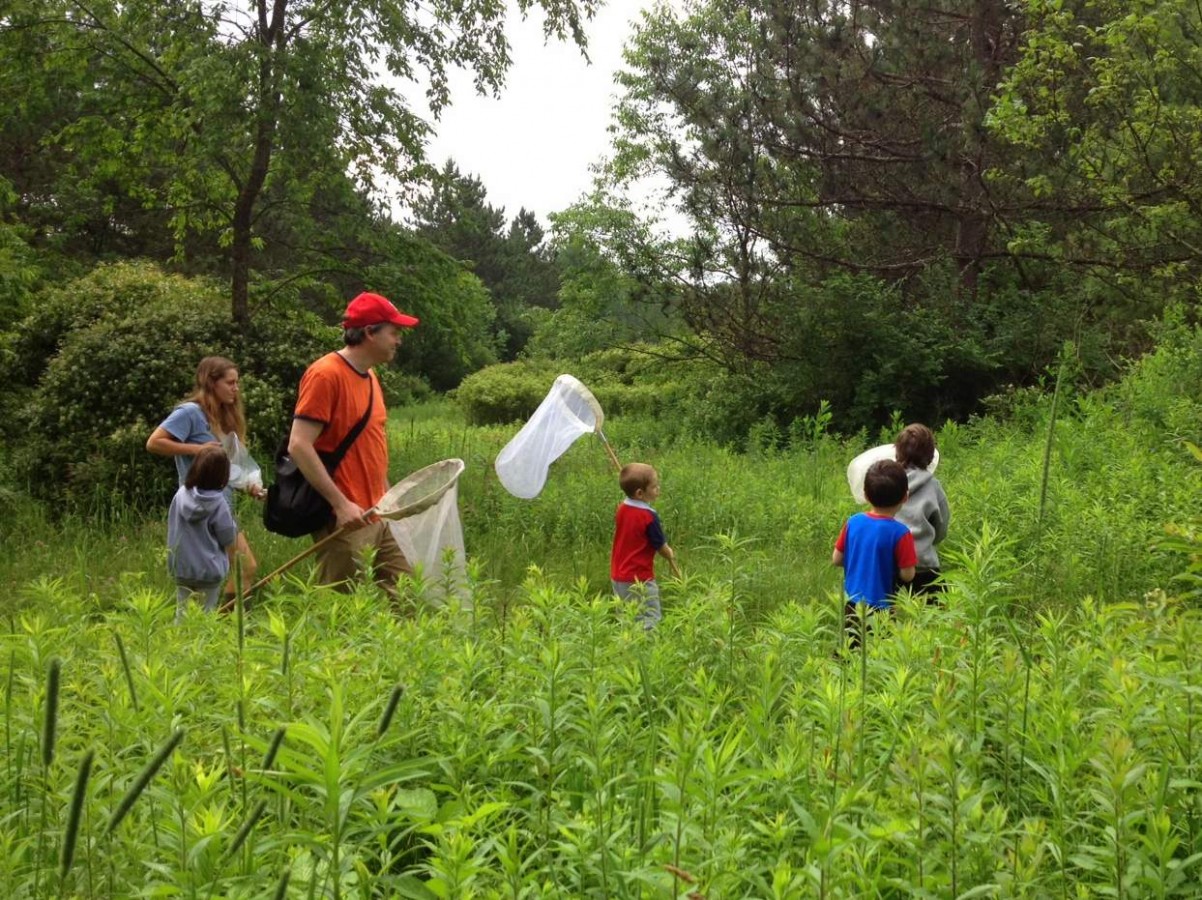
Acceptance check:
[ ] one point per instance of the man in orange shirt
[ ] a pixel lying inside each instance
(335, 393)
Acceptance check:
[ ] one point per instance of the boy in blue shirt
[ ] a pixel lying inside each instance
(875, 550)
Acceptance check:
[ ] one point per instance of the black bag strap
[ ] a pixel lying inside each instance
(335, 458)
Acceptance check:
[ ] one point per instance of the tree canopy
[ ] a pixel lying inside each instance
(978, 181)
(513, 261)
(221, 128)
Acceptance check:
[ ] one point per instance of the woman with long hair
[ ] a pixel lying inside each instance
(211, 412)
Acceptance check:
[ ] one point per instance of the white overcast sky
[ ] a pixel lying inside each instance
(533, 145)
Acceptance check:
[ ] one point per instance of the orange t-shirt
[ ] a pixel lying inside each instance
(336, 394)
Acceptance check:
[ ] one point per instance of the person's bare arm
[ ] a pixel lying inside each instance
(906, 574)
(837, 558)
(161, 443)
(669, 554)
(300, 446)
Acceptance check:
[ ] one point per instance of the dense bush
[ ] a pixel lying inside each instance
(401, 388)
(1164, 388)
(865, 346)
(113, 352)
(505, 392)
(19, 272)
(624, 381)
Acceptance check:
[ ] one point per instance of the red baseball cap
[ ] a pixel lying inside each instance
(372, 309)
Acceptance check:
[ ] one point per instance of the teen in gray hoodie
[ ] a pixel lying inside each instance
(200, 531)
(925, 512)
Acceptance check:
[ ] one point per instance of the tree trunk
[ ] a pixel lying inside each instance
(271, 45)
(974, 219)
(240, 263)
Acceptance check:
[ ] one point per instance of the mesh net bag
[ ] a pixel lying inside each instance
(422, 510)
(569, 411)
(858, 468)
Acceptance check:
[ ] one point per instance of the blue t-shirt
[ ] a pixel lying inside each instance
(874, 548)
(188, 424)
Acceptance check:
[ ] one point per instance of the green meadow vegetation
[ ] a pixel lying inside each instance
(1037, 736)
(813, 223)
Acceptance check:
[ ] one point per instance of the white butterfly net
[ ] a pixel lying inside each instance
(422, 511)
(569, 411)
(858, 468)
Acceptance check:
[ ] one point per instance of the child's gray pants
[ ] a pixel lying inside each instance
(648, 593)
(184, 591)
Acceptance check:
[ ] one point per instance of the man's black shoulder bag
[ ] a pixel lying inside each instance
(294, 508)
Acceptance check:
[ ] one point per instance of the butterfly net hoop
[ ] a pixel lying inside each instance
(858, 468)
(569, 411)
(422, 511)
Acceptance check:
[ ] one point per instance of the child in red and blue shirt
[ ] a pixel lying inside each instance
(875, 550)
(638, 537)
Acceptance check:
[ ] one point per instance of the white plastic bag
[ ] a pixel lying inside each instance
(244, 471)
(569, 411)
(858, 468)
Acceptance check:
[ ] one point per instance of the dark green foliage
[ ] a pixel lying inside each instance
(514, 264)
(505, 392)
(601, 305)
(20, 271)
(401, 388)
(636, 381)
(120, 348)
(455, 335)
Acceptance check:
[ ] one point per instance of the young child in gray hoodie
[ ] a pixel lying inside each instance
(200, 531)
(926, 512)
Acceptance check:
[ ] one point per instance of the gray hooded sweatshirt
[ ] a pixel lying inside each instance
(199, 529)
(926, 514)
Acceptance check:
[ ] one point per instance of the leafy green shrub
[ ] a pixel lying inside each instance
(401, 388)
(624, 381)
(1164, 387)
(505, 392)
(126, 341)
(19, 272)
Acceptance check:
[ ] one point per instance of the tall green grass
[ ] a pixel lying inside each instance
(1037, 736)
(1088, 506)
(551, 748)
